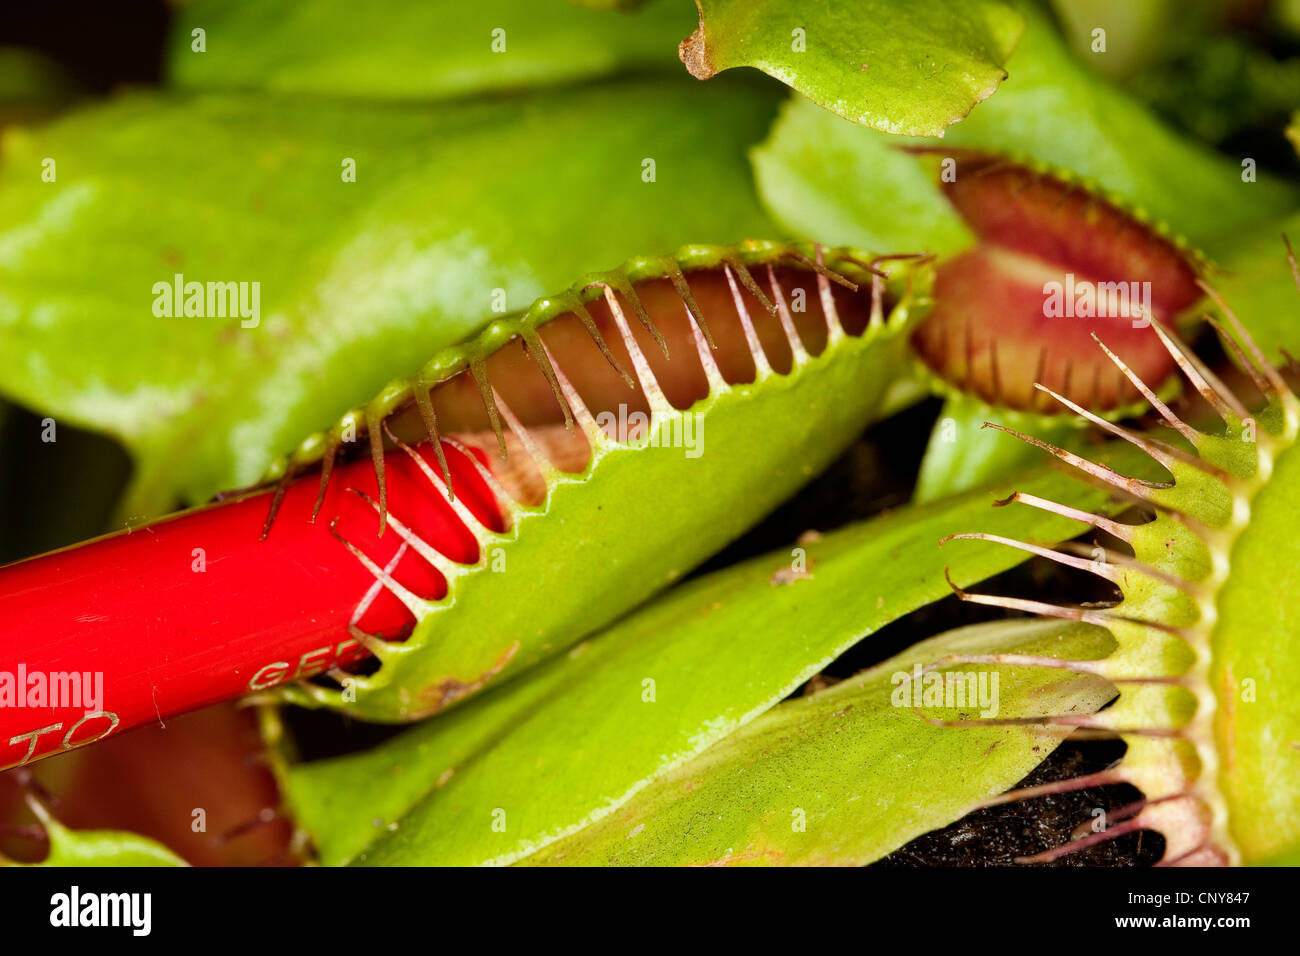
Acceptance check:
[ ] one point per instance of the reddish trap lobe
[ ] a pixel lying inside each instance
(996, 327)
(196, 609)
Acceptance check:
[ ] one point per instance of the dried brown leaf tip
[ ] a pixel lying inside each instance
(695, 54)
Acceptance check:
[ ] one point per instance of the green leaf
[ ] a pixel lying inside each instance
(848, 775)
(1256, 664)
(572, 740)
(98, 847)
(820, 175)
(963, 454)
(1256, 281)
(900, 66)
(358, 280)
(839, 182)
(393, 49)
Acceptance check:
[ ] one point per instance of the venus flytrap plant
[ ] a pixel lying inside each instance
(557, 467)
(1105, 190)
(387, 206)
(1204, 658)
(834, 373)
(847, 184)
(1216, 776)
(1054, 263)
(448, 588)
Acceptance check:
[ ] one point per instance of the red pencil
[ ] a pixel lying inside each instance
(144, 624)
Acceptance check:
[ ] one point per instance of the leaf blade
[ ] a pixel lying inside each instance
(437, 49)
(902, 68)
(785, 789)
(443, 779)
(359, 280)
(1051, 110)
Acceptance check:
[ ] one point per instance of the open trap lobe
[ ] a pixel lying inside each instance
(511, 419)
